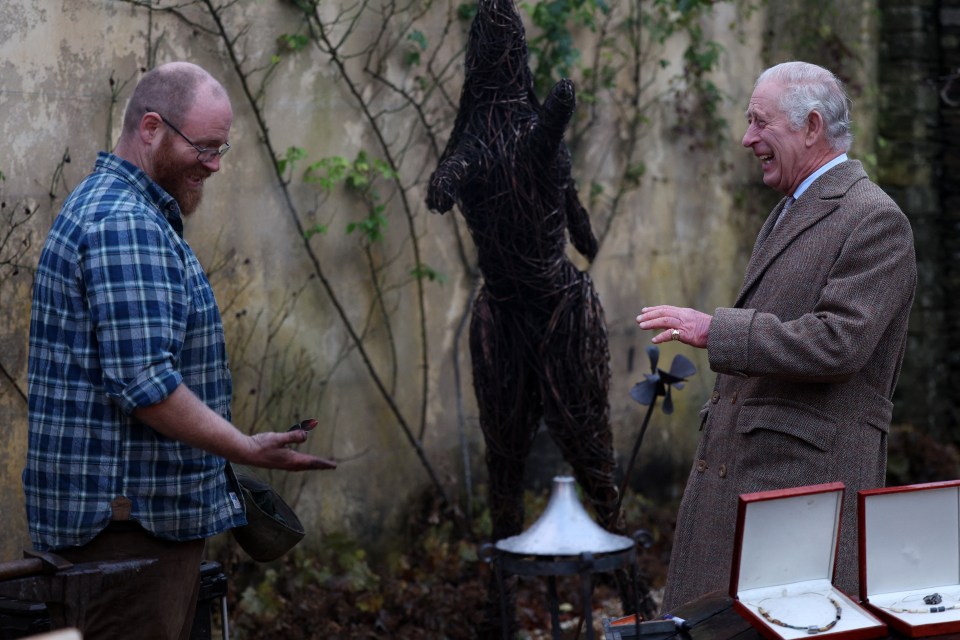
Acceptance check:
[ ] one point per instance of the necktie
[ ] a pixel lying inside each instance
(783, 211)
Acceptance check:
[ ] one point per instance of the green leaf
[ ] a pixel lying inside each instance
(292, 42)
(314, 230)
(370, 228)
(292, 156)
(424, 271)
(327, 172)
(635, 172)
(467, 11)
(384, 169)
(417, 37)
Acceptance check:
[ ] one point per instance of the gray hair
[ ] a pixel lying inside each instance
(809, 88)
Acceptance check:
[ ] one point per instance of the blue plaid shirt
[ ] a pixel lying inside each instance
(122, 314)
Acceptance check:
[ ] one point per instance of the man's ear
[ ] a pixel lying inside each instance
(149, 129)
(816, 128)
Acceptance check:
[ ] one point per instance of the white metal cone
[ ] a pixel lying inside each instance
(564, 529)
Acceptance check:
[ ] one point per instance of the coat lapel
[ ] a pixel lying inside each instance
(817, 202)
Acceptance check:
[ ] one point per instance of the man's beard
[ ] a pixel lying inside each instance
(174, 176)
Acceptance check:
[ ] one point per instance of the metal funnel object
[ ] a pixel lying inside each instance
(564, 529)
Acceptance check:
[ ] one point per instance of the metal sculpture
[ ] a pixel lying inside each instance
(657, 383)
(538, 339)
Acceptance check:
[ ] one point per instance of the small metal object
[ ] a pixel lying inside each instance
(675, 334)
(933, 598)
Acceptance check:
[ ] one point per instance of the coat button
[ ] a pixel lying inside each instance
(723, 471)
(715, 398)
(733, 398)
(701, 465)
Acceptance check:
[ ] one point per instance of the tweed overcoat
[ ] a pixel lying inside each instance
(808, 358)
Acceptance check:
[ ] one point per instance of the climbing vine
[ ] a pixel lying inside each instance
(16, 242)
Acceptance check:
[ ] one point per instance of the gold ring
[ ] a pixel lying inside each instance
(675, 334)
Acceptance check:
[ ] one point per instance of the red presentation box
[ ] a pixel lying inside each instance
(784, 556)
(910, 556)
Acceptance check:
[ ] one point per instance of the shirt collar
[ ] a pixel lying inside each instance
(816, 174)
(138, 178)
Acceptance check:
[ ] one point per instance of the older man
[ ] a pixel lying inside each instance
(809, 354)
(128, 380)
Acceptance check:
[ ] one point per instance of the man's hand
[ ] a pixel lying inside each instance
(272, 450)
(688, 326)
(182, 416)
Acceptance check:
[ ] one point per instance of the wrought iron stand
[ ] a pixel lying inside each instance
(584, 565)
(564, 541)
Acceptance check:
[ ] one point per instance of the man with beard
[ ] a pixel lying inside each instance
(129, 390)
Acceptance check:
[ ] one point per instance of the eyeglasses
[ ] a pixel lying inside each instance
(204, 154)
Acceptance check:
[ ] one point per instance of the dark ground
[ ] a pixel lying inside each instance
(435, 590)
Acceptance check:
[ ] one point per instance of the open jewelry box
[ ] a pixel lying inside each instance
(783, 563)
(910, 556)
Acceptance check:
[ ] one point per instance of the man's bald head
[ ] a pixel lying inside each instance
(171, 89)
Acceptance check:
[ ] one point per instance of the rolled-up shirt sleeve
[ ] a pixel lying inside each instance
(135, 287)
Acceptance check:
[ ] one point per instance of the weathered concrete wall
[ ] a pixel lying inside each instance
(66, 69)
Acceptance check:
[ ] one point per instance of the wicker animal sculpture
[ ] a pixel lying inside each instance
(538, 340)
